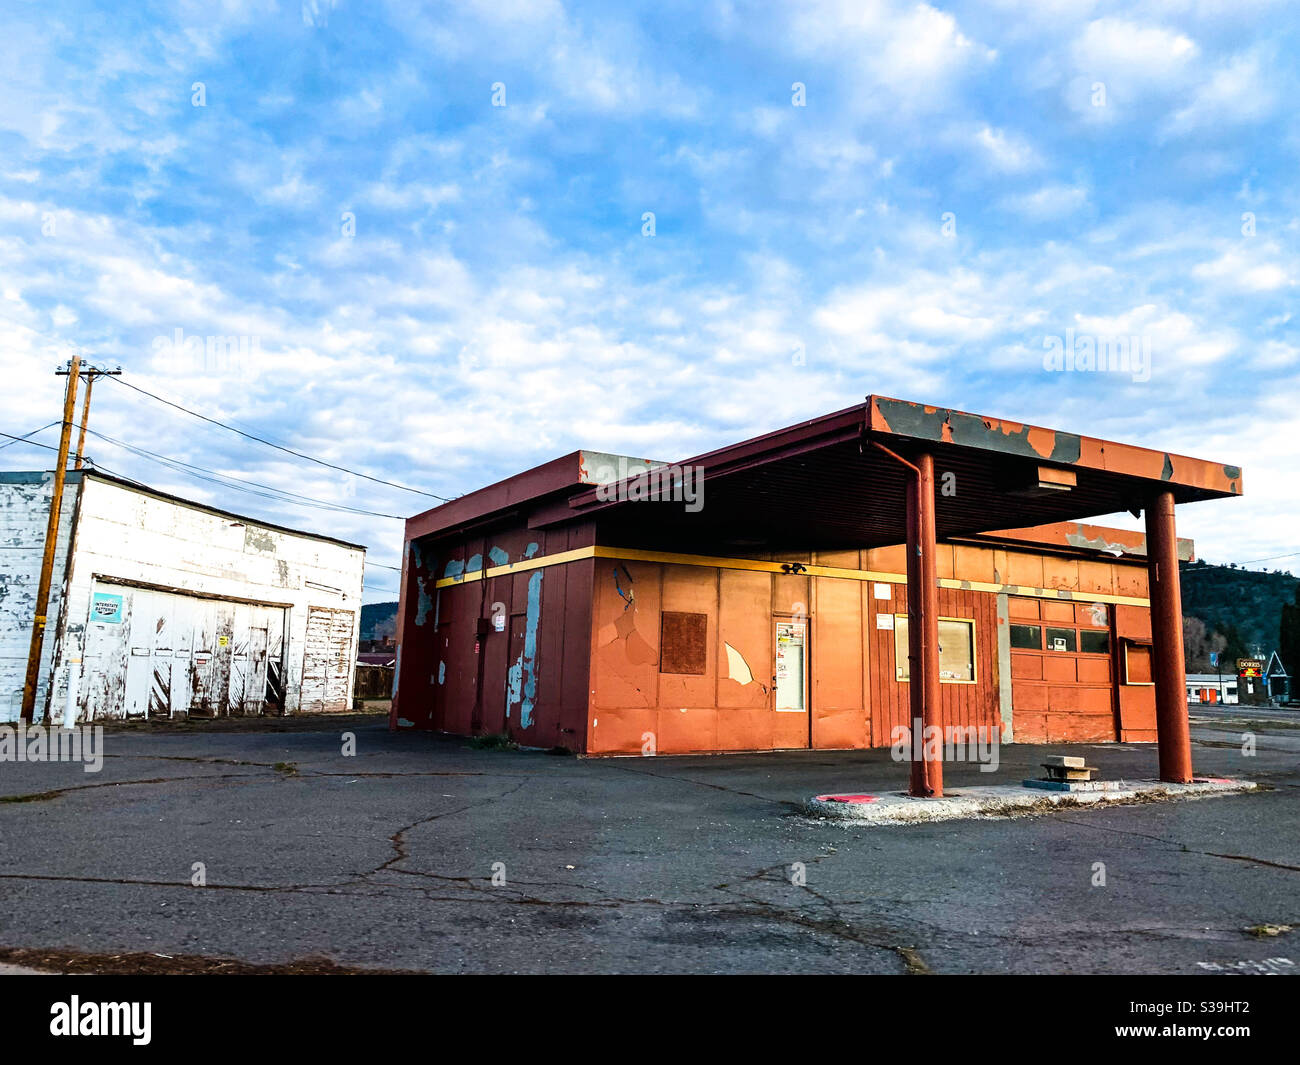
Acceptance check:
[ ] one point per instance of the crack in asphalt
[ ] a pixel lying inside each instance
(54, 793)
(131, 882)
(706, 784)
(837, 924)
(1183, 847)
(398, 838)
(198, 759)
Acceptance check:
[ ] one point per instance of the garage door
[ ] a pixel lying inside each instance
(155, 653)
(1061, 671)
(327, 660)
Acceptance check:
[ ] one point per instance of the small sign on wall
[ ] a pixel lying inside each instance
(884, 621)
(106, 608)
(884, 591)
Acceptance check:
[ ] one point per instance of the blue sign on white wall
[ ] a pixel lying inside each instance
(106, 609)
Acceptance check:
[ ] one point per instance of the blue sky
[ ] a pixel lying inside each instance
(443, 292)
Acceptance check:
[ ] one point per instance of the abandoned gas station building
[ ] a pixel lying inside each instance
(887, 563)
(162, 606)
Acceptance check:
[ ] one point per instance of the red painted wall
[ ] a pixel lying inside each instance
(455, 678)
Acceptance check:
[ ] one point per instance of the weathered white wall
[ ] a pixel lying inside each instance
(135, 537)
(24, 512)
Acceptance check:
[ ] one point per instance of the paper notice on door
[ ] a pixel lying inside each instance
(791, 676)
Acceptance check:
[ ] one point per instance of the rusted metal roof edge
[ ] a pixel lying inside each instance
(1078, 536)
(495, 501)
(932, 424)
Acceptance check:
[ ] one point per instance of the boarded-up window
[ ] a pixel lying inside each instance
(1137, 663)
(956, 650)
(683, 643)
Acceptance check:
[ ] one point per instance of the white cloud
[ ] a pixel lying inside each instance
(1127, 53)
(902, 54)
(1239, 268)
(1006, 152)
(1049, 202)
(1239, 91)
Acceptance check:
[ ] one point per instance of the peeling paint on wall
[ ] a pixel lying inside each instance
(628, 597)
(256, 539)
(423, 602)
(442, 672)
(1100, 543)
(521, 686)
(498, 556)
(737, 668)
(530, 550)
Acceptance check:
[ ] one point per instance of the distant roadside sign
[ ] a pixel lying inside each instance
(1250, 667)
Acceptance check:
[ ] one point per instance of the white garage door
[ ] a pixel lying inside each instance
(327, 660)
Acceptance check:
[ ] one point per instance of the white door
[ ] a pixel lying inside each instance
(327, 660)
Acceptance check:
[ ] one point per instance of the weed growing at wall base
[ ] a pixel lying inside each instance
(39, 744)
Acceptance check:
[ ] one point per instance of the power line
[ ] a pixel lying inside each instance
(225, 479)
(95, 465)
(280, 447)
(1269, 559)
(24, 439)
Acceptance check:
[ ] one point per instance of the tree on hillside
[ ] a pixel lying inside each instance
(1198, 643)
(1234, 647)
(1289, 644)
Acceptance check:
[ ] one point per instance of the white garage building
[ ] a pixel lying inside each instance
(163, 607)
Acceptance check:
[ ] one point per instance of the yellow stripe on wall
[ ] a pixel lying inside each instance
(522, 566)
(758, 565)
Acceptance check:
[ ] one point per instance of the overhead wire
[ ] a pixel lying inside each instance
(240, 483)
(278, 447)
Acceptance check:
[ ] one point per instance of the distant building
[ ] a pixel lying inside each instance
(1212, 688)
(1277, 681)
(160, 606)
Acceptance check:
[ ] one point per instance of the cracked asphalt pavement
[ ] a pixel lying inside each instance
(386, 859)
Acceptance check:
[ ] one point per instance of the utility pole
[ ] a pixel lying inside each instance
(91, 373)
(51, 536)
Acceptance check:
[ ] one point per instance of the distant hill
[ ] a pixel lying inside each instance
(1243, 602)
(378, 620)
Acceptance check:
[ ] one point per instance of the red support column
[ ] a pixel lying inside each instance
(1172, 735)
(923, 627)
